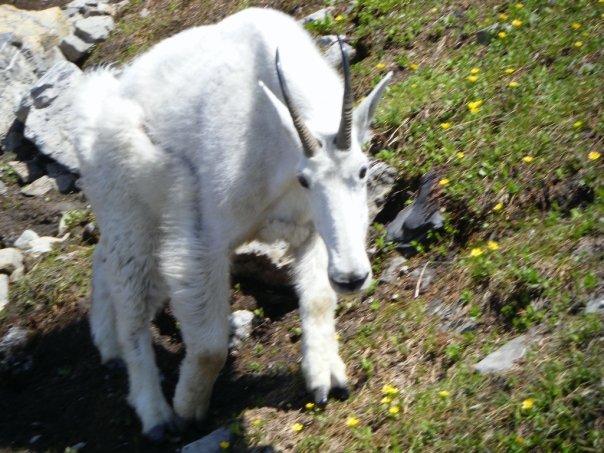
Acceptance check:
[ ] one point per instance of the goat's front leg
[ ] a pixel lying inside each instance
(322, 366)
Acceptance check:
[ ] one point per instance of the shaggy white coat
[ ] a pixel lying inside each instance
(190, 152)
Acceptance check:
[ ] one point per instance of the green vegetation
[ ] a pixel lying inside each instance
(504, 101)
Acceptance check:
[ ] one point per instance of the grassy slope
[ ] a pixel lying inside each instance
(523, 242)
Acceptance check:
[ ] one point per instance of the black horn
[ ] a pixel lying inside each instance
(309, 143)
(344, 137)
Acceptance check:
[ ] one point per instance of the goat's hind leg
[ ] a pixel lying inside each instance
(102, 312)
(132, 262)
(324, 370)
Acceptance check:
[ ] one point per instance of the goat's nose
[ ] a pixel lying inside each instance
(349, 284)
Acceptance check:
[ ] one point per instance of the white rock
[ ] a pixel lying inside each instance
(39, 187)
(23, 242)
(317, 16)
(333, 54)
(393, 269)
(26, 171)
(11, 260)
(241, 322)
(94, 29)
(3, 188)
(3, 291)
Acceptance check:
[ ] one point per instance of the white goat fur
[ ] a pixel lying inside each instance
(184, 156)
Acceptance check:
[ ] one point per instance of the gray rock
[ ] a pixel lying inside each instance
(11, 261)
(333, 55)
(27, 171)
(380, 181)
(504, 358)
(393, 270)
(74, 48)
(241, 322)
(63, 178)
(49, 117)
(3, 188)
(39, 187)
(16, 76)
(317, 16)
(426, 274)
(3, 291)
(209, 443)
(26, 239)
(94, 29)
(596, 305)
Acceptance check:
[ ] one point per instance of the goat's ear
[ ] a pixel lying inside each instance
(280, 107)
(363, 114)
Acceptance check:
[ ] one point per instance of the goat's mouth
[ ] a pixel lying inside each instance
(349, 284)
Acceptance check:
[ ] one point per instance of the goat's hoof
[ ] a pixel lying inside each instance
(321, 395)
(165, 432)
(340, 393)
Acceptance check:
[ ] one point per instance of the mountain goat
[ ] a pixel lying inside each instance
(218, 135)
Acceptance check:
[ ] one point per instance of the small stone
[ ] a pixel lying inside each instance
(393, 269)
(209, 443)
(40, 186)
(23, 242)
(595, 305)
(333, 54)
(3, 188)
(74, 48)
(11, 260)
(3, 291)
(30, 242)
(94, 29)
(241, 322)
(317, 16)
(426, 274)
(27, 171)
(504, 358)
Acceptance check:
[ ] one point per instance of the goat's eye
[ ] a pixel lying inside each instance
(363, 173)
(303, 181)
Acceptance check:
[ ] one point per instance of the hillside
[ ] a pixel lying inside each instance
(503, 100)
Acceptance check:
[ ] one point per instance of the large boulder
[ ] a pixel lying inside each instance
(47, 108)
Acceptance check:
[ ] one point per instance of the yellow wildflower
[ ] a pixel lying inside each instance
(414, 85)
(394, 410)
(444, 181)
(413, 66)
(476, 252)
(492, 245)
(389, 390)
(472, 78)
(519, 6)
(338, 337)
(309, 406)
(577, 124)
(474, 105)
(339, 17)
(516, 23)
(434, 10)
(502, 34)
(593, 155)
(513, 84)
(474, 70)
(460, 155)
(510, 70)
(444, 394)
(579, 44)
(445, 125)
(256, 422)
(527, 404)
(498, 207)
(575, 25)
(224, 445)
(351, 422)
(297, 427)
(380, 66)
(386, 400)
(519, 440)
(503, 16)
(527, 159)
